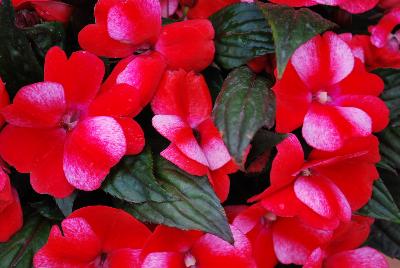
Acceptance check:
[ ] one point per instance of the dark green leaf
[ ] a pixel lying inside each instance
(390, 147)
(291, 28)
(245, 104)
(47, 209)
(19, 251)
(132, 180)
(391, 95)
(44, 36)
(214, 80)
(381, 206)
(198, 207)
(385, 237)
(241, 33)
(18, 64)
(66, 204)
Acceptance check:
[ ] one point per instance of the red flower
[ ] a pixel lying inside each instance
(64, 133)
(4, 100)
(352, 6)
(183, 115)
(174, 248)
(321, 191)
(125, 27)
(381, 34)
(274, 238)
(168, 7)
(10, 208)
(389, 4)
(48, 10)
(96, 236)
(330, 93)
(340, 250)
(205, 8)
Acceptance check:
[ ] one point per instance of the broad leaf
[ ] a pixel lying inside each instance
(385, 237)
(18, 64)
(19, 251)
(291, 28)
(66, 204)
(198, 207)
(245, 104)
(390, 147)
(381, 206)
(241, 33)
(391, 95)
(132, 180)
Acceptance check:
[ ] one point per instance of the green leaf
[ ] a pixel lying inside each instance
(214, 80)
(19, 251)
(391, 94)
(47, 209)
(291, 28)
(390, 147)
(66, 204)
(385, 237)
(245, 104)
(381, 206)
(18, 64)
(132, 180)
(198, 208)
(44, 36)
(241, 33)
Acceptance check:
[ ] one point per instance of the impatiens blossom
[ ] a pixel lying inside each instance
(381, 34)
(63, 132)
(47, 10)
(341, 250)
(205, 8)
(183, 115)
(123, 28)
(168, 7)
(328, 91)
(275, 238)
(352, 6)
(389, 4)
(173, 248)
(10, 208)
(321, 191)
(96, 236)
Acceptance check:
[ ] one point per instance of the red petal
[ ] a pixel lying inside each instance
(164, 259)
(120, 100)
(134, 135)
(55, 60)
(178, 132)
(94, 38)
(327, 127)
(373, 106)
(249, 218)
(4, 100)
(124, 258)
(188, 44)
(323, 197)
(168, 7)
(53, 10)
(204, 9)
(363, 257)
(238, 255)
(293, 100)
(183, 94)
(221, 184)
(323, 61)
(23, 148)
(37, 105)
(10, 219)
(282, 202)
(135, 22)
(93, 147)
(102, 8)
(295, 3)
(358, 6)
(6, 194)
(173, 154)
(114, 227)
(48, 177)
(382, 31)
(294, 241)
(263, 249)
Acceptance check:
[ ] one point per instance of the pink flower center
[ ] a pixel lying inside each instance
(190, 260)
(394, 41)
(322, 97)
(267, 218)
(306, 172)
(70, 120)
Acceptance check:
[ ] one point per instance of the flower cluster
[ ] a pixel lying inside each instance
(71, 129)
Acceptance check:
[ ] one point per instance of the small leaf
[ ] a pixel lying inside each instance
(241, 33)
(291, 28)
(245, 104)
(19, 251)
(385, 237)
(132, 180)
(66, 204)
(381, 206)
(197, 209)
(390, 146)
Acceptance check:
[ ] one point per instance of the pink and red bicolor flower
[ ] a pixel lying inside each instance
(173, 248)
(123, 28)
(64, 132)
(320, 191)
(95, 236)
(328, 91)
(352, 6)
(182, 107)
(341, 250)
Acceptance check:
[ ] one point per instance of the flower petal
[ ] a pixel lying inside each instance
(124, 258)
(365, 257)
(10, 219)
(134, 135)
